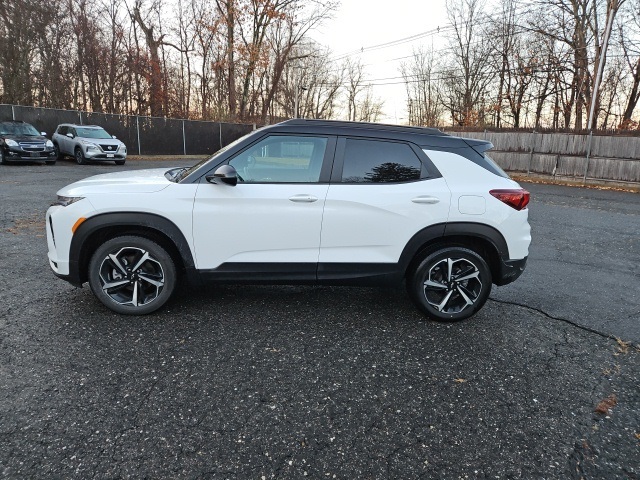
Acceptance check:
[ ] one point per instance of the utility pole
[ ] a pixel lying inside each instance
(296, 107)
(612, 9)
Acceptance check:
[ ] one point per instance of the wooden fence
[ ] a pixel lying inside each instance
(589, 157)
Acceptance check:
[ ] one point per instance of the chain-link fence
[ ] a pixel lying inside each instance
(142, 135)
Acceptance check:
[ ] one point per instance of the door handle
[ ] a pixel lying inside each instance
(426, 199)
(303, 198)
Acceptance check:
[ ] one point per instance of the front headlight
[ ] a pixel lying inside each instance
(11, 143)
(90, 145)
(49, 144)
(66, 201)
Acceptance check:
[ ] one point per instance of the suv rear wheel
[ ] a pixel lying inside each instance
(56, 148)
(450, 284)
(132, 275)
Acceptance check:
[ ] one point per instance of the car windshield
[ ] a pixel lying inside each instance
(92, 132)
(18, 129)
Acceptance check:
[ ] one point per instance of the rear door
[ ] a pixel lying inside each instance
(381, 194)
(62, 139)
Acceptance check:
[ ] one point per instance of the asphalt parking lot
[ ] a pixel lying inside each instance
(287, 382)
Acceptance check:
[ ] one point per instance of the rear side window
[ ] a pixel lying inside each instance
(63, 130)
(373, 161)
(493, 167)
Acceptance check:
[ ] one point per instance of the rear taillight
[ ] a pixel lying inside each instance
(517, 198)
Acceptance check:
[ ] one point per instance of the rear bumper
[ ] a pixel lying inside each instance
(509, 271)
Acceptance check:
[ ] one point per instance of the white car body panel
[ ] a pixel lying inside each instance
(464, 179)
(371, 223)
(257, 223)
(148, 190)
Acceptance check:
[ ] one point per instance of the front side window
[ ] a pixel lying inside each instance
(373, 161)
(281, 159)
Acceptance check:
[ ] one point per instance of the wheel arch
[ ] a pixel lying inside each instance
(96, 230)
(482, 239)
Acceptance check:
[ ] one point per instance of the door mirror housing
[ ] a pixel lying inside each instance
(44, 134)
(70, 135)
(114, 136)
(224, 174)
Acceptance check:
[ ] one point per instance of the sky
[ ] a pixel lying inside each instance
(362, 24)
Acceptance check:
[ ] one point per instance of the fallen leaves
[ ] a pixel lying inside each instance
(607, 404)
(623, 347)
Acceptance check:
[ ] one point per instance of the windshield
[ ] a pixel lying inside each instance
(18, 129)
(176, 177)
(92, 133)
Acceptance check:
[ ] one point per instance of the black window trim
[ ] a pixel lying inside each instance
(423, 158)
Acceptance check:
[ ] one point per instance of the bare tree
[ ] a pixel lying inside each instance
(355, 84)
(21, 22)
(424, 99)
(629, 29)
(154, 42)
(468, 76)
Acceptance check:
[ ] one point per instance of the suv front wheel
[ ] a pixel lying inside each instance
(80, 160)
(450, 284)
(132, 275)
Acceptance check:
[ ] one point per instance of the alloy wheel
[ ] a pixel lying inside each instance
(131, 277)
(453, 285)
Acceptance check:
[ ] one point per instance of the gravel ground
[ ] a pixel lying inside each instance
(323, 382)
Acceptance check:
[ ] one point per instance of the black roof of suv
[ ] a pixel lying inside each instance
(422, 137)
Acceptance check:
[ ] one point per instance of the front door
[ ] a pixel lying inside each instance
(270, 221)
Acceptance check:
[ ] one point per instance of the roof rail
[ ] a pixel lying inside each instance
(367, 125)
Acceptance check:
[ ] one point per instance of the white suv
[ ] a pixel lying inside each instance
(301, 202)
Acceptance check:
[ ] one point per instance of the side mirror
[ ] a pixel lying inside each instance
(70, 135)
(44, 134)
(224, 174)
(114, 136)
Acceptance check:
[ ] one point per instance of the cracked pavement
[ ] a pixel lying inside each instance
(324, 382)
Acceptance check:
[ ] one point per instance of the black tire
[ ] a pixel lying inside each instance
(459, 284)
(3, 159)
(79, 156)
(56, 148)
(134, 291)
(120, 162)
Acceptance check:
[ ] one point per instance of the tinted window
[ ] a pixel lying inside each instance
(63, 130)
(281, 159)
(372, 161)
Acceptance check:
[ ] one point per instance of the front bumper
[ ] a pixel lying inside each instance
(509, 271)
(17, 154)
(97, 155)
